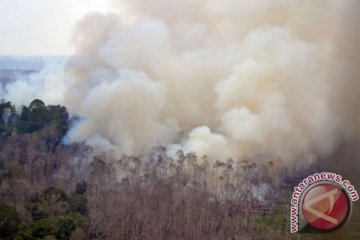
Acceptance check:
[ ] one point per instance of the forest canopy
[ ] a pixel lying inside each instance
(32, 118)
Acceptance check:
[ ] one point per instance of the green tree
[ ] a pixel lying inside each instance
(53, 202)
(64, 227)
(43, 227)
(8, 116)
(9, 221)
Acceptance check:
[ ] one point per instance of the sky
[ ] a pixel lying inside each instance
(42, 27)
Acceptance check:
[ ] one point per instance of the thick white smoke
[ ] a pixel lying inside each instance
(48, 84)
(217, 77)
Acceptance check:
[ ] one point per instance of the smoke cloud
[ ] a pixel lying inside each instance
(48, 82)
(224, 78)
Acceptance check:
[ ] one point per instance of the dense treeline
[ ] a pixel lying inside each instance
(49, 190)
(53, 214)
(31, 119)
(31, 157)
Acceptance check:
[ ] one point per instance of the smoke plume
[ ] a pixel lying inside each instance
(224, 78)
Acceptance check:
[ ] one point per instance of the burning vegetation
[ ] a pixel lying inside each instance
(54, 191)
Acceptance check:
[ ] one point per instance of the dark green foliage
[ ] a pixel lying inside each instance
(6, 107)
(9, 221)
(35, 211)
(37, 115)
(64, 227)
(39, 128)
(56, 214)
(60, 117)
(43, 227)
(24, 233)
(59, 227)
(1, 165)
(7, 118)
(52, 202)
(33, 118)
(25, 112)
